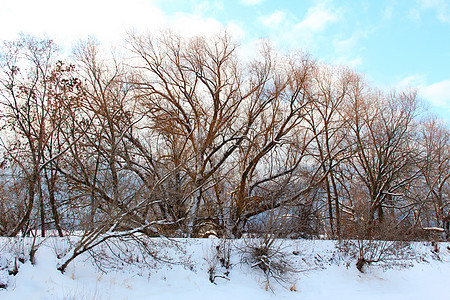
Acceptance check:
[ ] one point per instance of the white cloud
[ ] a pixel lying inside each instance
(207, 7)
(190, 25)
(348, 51)
(249, 50)
(346, 45)
(236, 30)
(347, 60)
(290, 33)
(251, 2)
(273, 19)
(412, 81)
(66, 23)
(317, 19)
(437, 93)
(107, 20)
(195, 24)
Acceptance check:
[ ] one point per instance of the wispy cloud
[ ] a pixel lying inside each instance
(273, 19)
(440, 7)
(317, 19)
(348, 51)
(437, 93)
(191, 25)
(207, 7)
(412, 81)
(388, 12)
(251, 2)
(308, 31)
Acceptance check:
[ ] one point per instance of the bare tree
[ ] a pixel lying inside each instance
(270, 157)
(435, 141)
(30, 109)
(111, 193)
(202, 105)
(329, 127)
(179, 136)
(385, 157)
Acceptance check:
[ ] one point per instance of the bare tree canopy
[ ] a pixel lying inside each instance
(180, 136)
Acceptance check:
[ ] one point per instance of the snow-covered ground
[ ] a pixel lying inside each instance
(321, 272)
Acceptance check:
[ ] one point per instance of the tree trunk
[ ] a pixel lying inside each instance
(336, 204)
(41, 207)
(330, 205)
(30, 204)
(51, 195)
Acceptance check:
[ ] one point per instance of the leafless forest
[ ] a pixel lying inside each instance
(184, 137)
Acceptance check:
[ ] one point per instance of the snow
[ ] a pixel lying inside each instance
(323, 273)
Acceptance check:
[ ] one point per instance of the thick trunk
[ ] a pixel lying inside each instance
(374, 223)
(238, 228)
(192, 212)
(380, 213)
(370, 225)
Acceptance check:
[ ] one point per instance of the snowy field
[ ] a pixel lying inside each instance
(315, 269)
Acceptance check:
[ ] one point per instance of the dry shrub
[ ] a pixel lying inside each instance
(387, 254)
(383, 243)
(138, 251)
(267, 255)
(219, 260)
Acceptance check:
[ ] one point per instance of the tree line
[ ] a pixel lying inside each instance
(179, 136)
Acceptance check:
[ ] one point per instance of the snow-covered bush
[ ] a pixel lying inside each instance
(387, 254)
(218, 260)
(267, 255)
(14, 252)
(138, 253)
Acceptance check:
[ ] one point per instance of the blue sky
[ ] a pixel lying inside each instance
(396, 44)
